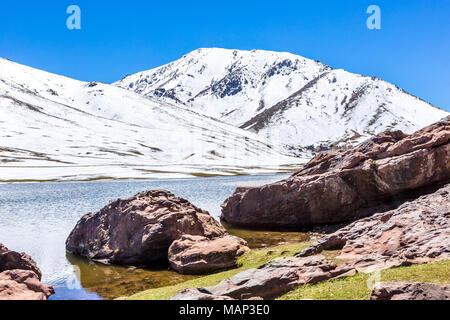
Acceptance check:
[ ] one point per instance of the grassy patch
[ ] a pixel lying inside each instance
(355, 288)
(253, 259)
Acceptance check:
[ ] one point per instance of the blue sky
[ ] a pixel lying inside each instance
(121, 37)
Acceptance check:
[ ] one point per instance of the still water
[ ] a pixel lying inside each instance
(37, 218)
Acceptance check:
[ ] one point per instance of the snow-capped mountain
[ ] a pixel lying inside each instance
(57, 128)
(300, 103)
(214, 111)
(230, 85)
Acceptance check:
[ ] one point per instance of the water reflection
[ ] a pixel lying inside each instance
(37, 218)
(262, 239)
(111, 282)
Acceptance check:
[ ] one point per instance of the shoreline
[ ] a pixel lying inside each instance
(354, 287)
(139, 277)
(127, 179)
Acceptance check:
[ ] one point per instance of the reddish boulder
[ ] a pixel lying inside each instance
(20, 277)
(23, 285)
(409, 291)
(415, 232)
(199, 255)
(270, 280)
(139, 230)
(344, 186)
(199, 294)
(10, 260)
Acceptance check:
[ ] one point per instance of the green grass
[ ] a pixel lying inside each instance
(356, 288)
(253, 259)
(351, 288)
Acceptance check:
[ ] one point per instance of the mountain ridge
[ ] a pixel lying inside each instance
(51, 124)
(188, 117)
(248, 88)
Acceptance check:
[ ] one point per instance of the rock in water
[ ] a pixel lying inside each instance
(409, 291)
(199, 255)
(344, 186)
(139, 231)
(20, 278)
(417, 231)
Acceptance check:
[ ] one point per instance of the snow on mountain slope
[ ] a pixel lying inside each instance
(340, 108)
(301, 103)
(230, 85)
(57, 128)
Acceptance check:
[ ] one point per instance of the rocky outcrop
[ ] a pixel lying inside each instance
(344, 186)
(409, 291)
(417, 231)
(20, 278)
(11, 260)
(199, 255)
(200, 294)
(23, 285)
(270, 280)
(139, 231)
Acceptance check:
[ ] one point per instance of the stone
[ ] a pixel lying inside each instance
(139, 230)
(271, 279)
(409, 291)
(23, 285)
(20, 278)
(152, 227)
(417, 231)
(10, 260)
(199, 255)
(344, 186)
(199, 294)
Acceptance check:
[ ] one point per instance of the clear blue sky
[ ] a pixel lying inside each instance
(121, 37)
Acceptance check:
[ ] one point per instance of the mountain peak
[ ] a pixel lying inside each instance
(188, 112)
(299, 101)
(51, 124)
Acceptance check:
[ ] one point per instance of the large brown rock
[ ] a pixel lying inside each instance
(139, 231)
(344, 186)
(199, 255)
(417, 231)
(409, 291)
(23, 285)
(270, 280)
(10, 260)
(20, 277)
